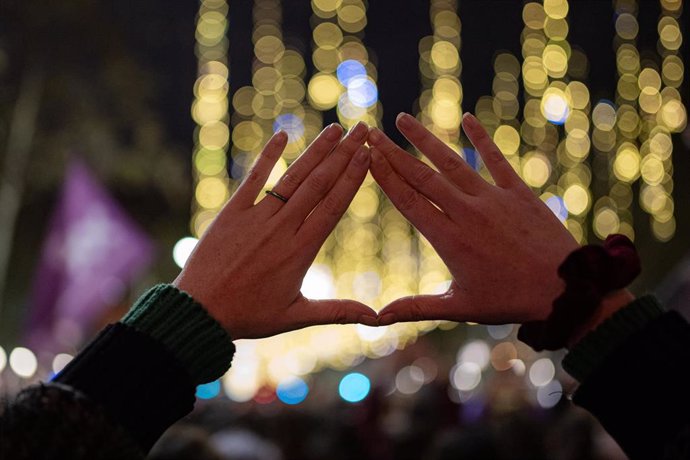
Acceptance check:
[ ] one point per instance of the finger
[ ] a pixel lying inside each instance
(320, 181)
(503, 173)
(252, 184)
(419, 175)
(327, 214)
(421, 213)
(441, 307)
(307, 312)
(300, 169)
(443, 157)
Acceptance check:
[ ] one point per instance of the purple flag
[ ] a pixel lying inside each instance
(91, 252)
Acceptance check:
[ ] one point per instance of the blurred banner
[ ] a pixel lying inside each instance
(91, 252)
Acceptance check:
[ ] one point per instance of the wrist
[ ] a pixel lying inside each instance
(609, 305)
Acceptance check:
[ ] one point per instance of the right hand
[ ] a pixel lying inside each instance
(501, 243)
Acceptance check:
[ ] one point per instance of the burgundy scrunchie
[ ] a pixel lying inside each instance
(590, 273)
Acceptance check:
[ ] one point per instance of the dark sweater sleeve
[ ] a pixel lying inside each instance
(141, 373)
(634, 374)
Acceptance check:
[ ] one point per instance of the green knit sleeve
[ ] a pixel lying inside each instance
(594, 348)
(184, 327)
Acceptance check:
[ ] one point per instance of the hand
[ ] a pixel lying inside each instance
(248, 267)
(501, 244)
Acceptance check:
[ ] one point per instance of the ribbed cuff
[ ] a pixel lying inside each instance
(595, 347)
(182, 325)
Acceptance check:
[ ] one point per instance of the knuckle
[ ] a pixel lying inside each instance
(408, 199)
(451, 162)
(333, 204)
(422, 173)
(417, 311)
(291, 180)
(318, 183)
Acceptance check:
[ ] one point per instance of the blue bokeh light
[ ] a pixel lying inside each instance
(291, 124)
(557, 205)
(208, 390)
(292, 391)
(472, 158)
(362, 92)
(349, 69)
(354, 387)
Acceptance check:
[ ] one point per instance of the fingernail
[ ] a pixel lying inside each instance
(359, 131)
(362, 155)
(404, 120)
(387, 319)
(469, 119)
(280, 134)
(333, 132)
(368, 320)
(375, 135)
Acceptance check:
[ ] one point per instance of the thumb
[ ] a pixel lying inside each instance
(422, 308)
(308, 312)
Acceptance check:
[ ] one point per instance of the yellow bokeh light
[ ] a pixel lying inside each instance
(604, 116)
(606, 222)
(650, 99)
(535, 169)
(556, 9)
(507, 139)
(214, 135)
(664, 231)
(578, 93)
(626, 165)
(445, 113)
(555, 61)
(211, 192)
(652, 169)
(328, 35)
(576, 199)
(674, 115)
(578, 144)
(627, 26)
(533, 15)
(649, 78)
(447, 87)
(556, 29)
(324, 91)
(444, 56)
(247, 136)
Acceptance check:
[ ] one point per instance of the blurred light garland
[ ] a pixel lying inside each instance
(210, 112)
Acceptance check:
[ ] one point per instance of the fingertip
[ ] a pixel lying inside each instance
(280, 136)
(333, 132)
(387, 319)
(469, 121)
(404, 120)
(376, 136)
(368, 320)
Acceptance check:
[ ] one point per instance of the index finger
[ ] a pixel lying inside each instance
(448, 162)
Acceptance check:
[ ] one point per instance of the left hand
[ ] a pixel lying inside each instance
(248, 267)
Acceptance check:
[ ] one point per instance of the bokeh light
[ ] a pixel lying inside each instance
(354, 387)
(23, 362)
(292, 390)
(208, 390)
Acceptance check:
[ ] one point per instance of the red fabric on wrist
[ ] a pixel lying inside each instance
(590, 273)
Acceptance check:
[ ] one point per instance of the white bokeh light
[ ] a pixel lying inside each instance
(183, 249)
(23, 362)
(318, 283)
